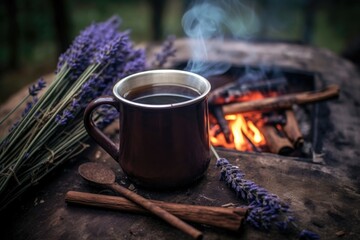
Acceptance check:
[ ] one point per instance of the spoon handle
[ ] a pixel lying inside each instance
(158, 211)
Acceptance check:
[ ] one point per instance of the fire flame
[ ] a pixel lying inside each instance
(245, 134)
(237, 126)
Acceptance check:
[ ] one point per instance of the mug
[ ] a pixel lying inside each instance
(164, 127)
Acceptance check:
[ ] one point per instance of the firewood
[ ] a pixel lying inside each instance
(231, 92)
(253, 146)
(227, 218)
(224, 127)
(272, 119)
(217, 96)
(276, 142)
(283, 101)
(292, 130)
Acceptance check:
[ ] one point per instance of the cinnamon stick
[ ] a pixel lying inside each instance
(292, 130)
(283, 102)
(227, 218)
(276, 143)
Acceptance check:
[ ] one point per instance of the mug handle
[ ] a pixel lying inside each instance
(99, 137)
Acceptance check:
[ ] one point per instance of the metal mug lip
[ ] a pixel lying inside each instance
(199, 98)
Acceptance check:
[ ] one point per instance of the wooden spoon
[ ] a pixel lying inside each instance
(100, 174)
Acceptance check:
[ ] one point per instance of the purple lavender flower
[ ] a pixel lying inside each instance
(69, 113)
(14, 126)
(86, 44)
(109, 50)
(77, 54)
(265, 209)
(308, 235)
(136, 63)
(107, 115)
(167, 51)
(110, 27)
(100, 44)
(29, 105)
(35, 89)
(88, 91)
(65, 117)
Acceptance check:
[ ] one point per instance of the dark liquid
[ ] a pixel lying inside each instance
(160, 99)
(158, 95)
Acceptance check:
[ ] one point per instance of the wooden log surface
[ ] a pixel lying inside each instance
(324, 197)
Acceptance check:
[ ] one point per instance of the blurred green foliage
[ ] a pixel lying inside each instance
(335, 25)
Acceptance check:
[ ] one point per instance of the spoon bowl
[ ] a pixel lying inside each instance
(97, 173)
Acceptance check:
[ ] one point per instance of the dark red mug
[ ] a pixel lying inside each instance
(164, 138)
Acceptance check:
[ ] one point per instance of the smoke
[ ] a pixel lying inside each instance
(216, 20)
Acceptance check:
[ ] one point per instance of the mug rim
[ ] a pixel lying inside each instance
(202, 96)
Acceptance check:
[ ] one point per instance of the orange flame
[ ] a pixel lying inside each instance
(236, 127)
(245, 133)
(242, 131)
(257, 136)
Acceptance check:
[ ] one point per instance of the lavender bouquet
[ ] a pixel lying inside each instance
(51, 130)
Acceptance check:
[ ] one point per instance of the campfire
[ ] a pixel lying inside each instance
(258, 110)
(276, 133)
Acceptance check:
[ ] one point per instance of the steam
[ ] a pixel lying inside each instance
(215, 20)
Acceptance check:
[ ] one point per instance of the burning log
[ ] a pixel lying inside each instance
(272, 119)
(227, 218)
(230, 92)
(283, 102)
(276, 142)
(292, 130)
(217, 111)
(253, 146)
(217, 97)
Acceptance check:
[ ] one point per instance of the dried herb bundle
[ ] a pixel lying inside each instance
(51, 130)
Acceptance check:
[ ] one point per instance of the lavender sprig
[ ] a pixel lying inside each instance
(29, 105)
(265, 209)
(33, 92)
(106, 115)
(68, 114)
(167, 50)
(36, 88)
(308, 235)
